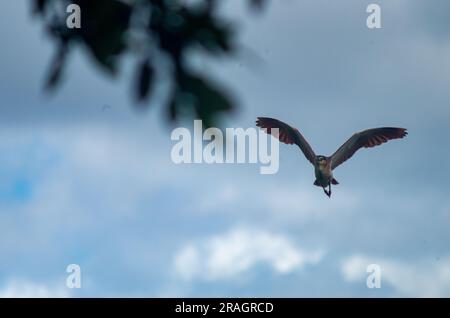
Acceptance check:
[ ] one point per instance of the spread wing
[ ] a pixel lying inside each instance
(367, 139)
(287, 134)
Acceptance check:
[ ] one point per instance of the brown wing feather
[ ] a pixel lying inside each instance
(287, 134)
(367, 139)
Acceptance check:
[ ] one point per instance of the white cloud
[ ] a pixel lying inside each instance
(238, 251)
(26, 289)
(418, 278)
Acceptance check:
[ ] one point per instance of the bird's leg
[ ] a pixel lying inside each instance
(326, 192)
(329, 189)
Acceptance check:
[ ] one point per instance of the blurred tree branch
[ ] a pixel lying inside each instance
(151, 30)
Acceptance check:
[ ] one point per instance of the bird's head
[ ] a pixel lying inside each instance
(321, 160)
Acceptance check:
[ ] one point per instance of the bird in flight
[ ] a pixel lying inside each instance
(323, 165)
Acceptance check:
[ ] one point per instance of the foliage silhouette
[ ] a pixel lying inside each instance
(153, 31)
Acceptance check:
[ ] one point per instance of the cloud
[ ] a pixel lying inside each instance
(416, 278)
(238, 251)
(27, 289)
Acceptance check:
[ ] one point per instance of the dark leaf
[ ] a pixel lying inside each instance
(103, 31)
(257, 4)
(56, 68)
(39, 6)
(207, 100)
(146, 75)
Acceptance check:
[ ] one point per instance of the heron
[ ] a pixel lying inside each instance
(324, 165)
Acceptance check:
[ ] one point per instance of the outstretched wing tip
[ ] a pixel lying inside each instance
(286, 134)
(259, 121)
(366, 139)
(399, 132)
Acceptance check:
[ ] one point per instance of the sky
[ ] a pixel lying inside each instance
(81, 184)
